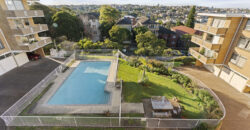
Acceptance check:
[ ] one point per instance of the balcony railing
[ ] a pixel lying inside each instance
(205, 60)
(210, 29)
(36, 45)
(198, 40)
(31, 29)
(24, 13)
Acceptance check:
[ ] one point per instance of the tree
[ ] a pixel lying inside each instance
(119, 34)
(179, 23)
(68, 25)
(144, 65)
(108, 44)
(149, 45)
(191, 18)
(108, 17)
(140, 30)
(160, 22)
(109, 14)
(104, 29)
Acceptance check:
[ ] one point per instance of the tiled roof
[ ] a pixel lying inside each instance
(183, 30)
(146, 20)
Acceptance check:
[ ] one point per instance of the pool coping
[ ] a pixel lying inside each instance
(43, 108)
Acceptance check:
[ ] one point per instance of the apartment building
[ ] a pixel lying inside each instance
(19, 34)
(152, 25)
(91, 25)
(224, 48)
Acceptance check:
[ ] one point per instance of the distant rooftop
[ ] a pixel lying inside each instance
(224, 15)
(146, 20)
(92, 15)
(183, 30)
(124, 21)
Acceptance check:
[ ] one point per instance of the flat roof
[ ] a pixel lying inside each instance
(224, 15)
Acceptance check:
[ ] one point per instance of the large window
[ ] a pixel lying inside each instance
(219, 22)
(14, 4)
(248, 25)
(244, 43)
(238, 60)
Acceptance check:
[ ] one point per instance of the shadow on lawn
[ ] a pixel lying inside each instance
(134, 92)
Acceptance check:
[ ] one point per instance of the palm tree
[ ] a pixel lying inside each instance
(144, 66)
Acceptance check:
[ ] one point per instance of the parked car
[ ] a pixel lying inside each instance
(33, 56)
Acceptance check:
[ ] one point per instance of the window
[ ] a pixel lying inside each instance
(173, 42)
(248, 25)
(1, 45)
(174, 36)
(14, 4)
(218, 22)
(238, 60)
(234, 58)
(244, 43)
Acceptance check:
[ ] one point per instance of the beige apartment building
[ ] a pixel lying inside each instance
(19, 34)
(225, 48)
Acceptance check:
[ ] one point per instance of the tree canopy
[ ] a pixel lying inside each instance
(140, 30)
(108, 17)
(179, 23)
(68, 25)
(191, 18)
(149, 45)
(119, 34)
(86, 43)
(109, 14)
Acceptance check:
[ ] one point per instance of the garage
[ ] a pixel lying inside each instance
(21, 59)
(234, 79)
(7, 63)
(238, 82)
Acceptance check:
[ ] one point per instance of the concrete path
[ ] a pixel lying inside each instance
(237, 104)
(17, 82)
(132, 108)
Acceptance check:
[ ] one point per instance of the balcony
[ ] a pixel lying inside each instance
(205, 60)
(246, 33)
(199, 41)
(13, 14)
(36, 45)
(210, 29)
(30, 29)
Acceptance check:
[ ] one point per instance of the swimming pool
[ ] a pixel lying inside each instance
(85, 85)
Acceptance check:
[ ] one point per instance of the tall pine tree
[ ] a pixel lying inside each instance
(191, 18)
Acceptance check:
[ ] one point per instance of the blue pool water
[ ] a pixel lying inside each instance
(85, 85)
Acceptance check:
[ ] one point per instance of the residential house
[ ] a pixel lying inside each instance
(19, 34)
(152, 25)
(184, 42)
(169, 36)
(91, 25)
(125, 23)
(224, 48)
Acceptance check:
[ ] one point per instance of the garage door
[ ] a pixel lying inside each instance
(21, 59)
(238, 82)
(7, 64)
(226, 74)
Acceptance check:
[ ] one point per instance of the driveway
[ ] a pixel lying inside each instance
(237, 104)
(17, 82)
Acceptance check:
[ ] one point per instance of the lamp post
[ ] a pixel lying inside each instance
(55, 25)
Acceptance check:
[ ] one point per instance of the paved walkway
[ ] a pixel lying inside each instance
(17, 82)
(237, 104)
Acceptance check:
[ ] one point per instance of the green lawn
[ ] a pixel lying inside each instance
(159, 86)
